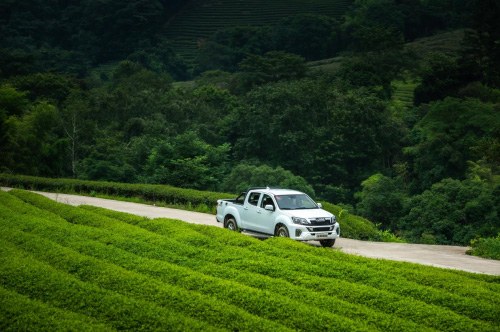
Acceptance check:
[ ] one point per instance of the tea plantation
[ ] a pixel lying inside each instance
(85, 268)
(201, 18)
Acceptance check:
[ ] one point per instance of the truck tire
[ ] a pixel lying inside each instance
(327, 243)
(282, 231)
(231, 224)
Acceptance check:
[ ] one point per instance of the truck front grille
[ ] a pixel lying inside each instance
(320, 221)
(319, 229)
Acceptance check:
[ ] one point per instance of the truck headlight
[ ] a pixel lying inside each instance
(334, 220)
(300, 221)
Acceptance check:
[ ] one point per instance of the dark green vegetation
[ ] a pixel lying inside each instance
(62, 265)
(201, 19)
(359, 103)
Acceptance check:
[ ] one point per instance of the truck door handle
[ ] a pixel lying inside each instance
(245, 208)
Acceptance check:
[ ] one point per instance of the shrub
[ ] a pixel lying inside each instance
(352, 226)
(486, 247)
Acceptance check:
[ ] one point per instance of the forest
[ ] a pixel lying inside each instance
(96, 91)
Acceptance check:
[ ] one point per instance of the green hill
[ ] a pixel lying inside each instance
(447, 43)
(85, 268)
(200, 18)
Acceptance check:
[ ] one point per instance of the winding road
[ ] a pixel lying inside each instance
(451, 257)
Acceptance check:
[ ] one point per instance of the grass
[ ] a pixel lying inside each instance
(101, 270)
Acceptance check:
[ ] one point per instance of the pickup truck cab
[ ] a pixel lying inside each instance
(279, 212)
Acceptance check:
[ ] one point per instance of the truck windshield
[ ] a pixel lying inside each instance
(295, 202)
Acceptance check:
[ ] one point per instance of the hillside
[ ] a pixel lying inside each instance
(200, 18)
(87, 92)
(446, 43)
(94, 269)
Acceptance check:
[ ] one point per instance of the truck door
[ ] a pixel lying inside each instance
(249, 212)
(265, 221)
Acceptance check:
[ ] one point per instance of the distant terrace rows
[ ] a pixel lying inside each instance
(201, 18)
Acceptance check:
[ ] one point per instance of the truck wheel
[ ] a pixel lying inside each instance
(327, 243)
(231, 225)
(282, 231)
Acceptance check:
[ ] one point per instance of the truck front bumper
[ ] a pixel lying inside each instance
(314, 233)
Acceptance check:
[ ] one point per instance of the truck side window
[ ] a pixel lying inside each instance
(266, 200)
(254, 198)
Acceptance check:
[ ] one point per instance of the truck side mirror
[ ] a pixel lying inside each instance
(320, 205)
(269, 207)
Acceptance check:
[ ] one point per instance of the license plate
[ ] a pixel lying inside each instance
(321, 235)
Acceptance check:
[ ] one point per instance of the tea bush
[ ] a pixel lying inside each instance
(111, 270)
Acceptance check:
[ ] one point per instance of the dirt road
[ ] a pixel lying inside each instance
(452, 257)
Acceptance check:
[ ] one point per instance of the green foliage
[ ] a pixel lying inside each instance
(448, 136)
(322, 133)
(148, 192)
(186, 162)
(80, 33)
(381, 200)
(271, 67)
(12, 101)
(228, 47)
(309, 36)
(127, 272)
(486, 247)
(46, 86)
(374, 25)
(237, 27)
(313, 37)
(375, 70)
(482, 43)
(161, 59)
(452, 212)
(86, 92)
(20, 312)
(31, 144)
(244, 176)
(442, 76)
(352, 226)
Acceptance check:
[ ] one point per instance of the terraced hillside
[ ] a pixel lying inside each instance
(201, 18)
(402, 94)
(86, 268)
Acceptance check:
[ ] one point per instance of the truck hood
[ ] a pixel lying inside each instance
(307, 213)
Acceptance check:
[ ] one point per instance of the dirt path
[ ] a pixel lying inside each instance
(452, 257)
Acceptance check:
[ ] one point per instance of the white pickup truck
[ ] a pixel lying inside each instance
(279, 212)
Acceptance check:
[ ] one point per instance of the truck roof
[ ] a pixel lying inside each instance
(276, 191)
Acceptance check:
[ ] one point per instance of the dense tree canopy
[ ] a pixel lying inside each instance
(92, 91)
(451, 212)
